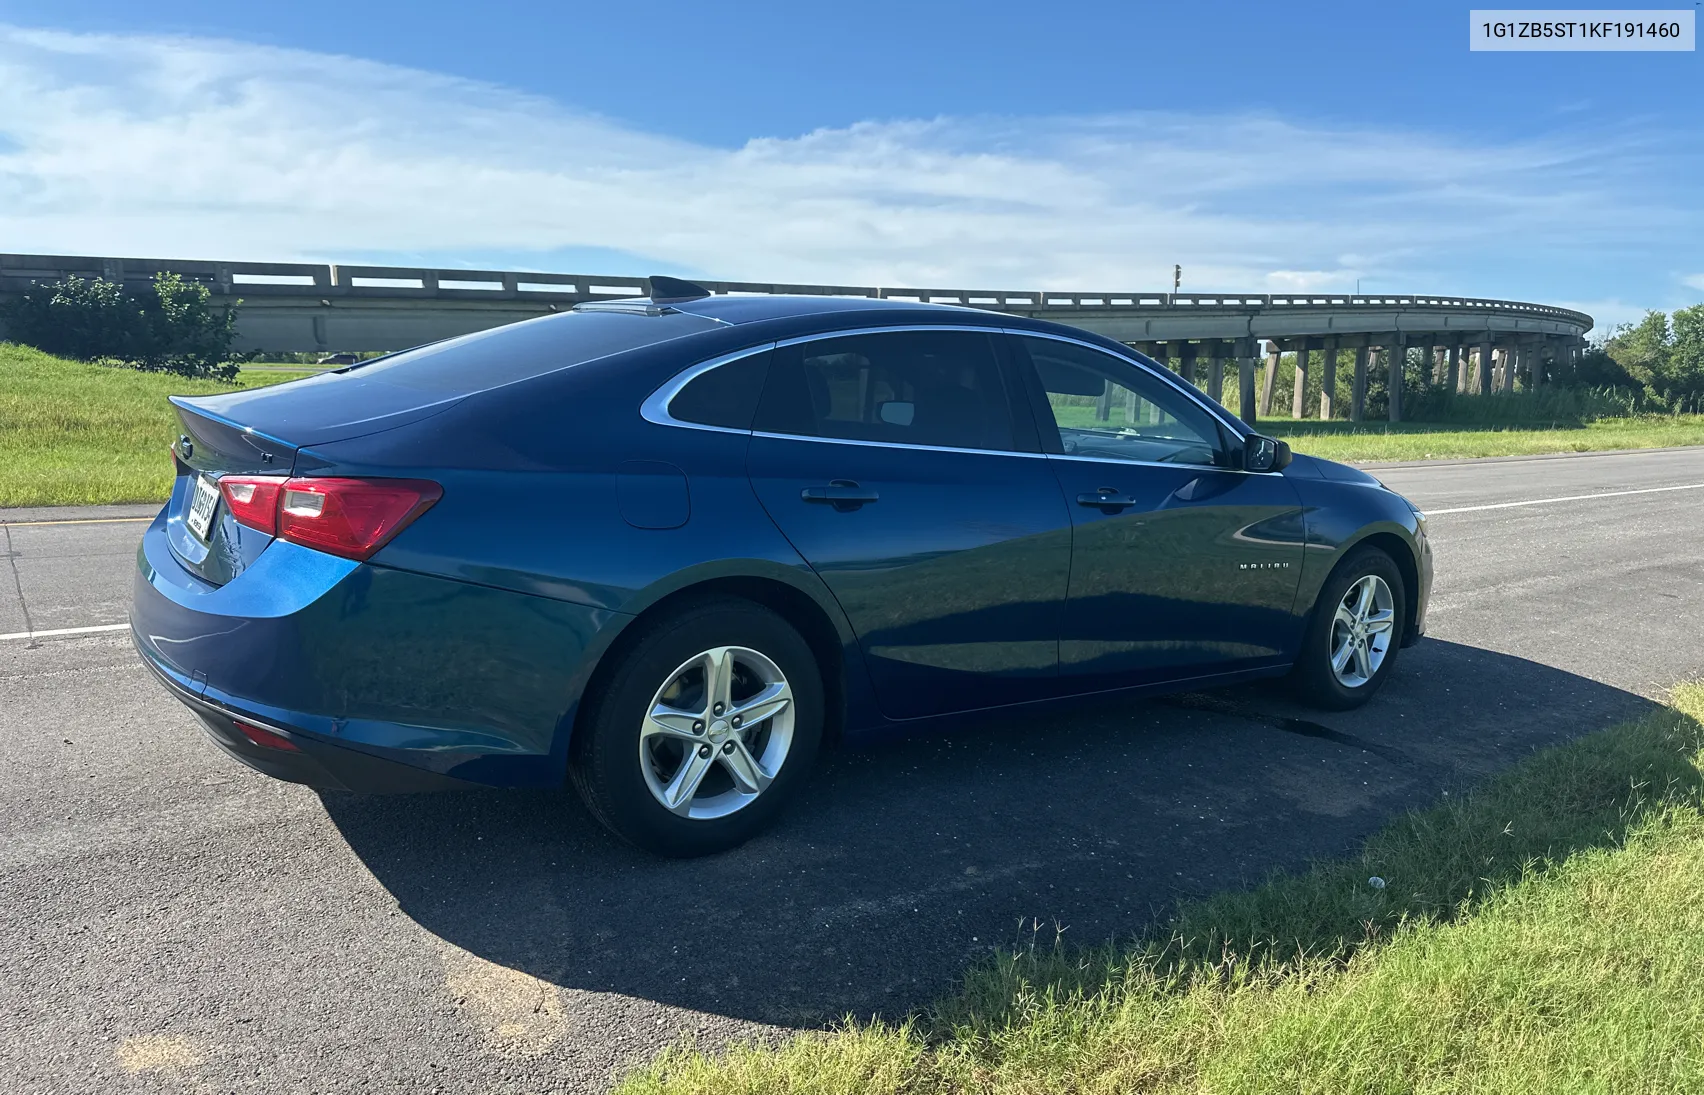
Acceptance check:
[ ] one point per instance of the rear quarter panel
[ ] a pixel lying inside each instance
(533, 479)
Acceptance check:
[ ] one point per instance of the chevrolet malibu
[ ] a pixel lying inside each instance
(669, 548)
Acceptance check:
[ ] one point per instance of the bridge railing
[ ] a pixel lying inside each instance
(289, 279)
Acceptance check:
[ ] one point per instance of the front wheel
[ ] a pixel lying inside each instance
(704, 730)
(1353, 634)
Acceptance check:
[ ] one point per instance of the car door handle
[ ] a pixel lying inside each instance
(843, 494)
(1106, 500)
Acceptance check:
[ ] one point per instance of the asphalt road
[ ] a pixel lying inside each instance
(170, 921)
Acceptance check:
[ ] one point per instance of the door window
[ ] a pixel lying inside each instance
(935, 388)
(1102, 406)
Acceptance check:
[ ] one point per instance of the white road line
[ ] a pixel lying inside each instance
(81, 521)
(1567, 498)
(63, 631)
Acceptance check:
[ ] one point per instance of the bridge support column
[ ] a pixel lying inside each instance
(1396, 352)
(1327, 379)
(1299, 398)
(1486, 362)
(1186, 362)
(1216, 376)
(1245, 383)
(1358, 390)
(1268, 385)
(1452, 379)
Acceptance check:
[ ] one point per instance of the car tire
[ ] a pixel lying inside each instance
(633, 749)
(1341, 664)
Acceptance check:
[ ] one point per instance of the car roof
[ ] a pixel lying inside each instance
(755, 308)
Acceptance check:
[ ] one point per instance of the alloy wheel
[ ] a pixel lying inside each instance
(717, 732)
(1361, 631)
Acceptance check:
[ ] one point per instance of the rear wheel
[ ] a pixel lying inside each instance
(704, 731)
(1353, 634)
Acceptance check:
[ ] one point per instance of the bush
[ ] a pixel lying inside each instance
(173, 329)
(1550, 405)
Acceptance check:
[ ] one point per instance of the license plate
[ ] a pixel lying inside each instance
(202, 507)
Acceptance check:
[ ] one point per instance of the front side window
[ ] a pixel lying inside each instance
(1106, 407)
(935, 388)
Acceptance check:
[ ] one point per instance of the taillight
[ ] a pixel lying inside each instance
(348, 517)
(351, 517)
(253, 500)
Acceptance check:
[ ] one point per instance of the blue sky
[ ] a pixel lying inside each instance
(1264, 147)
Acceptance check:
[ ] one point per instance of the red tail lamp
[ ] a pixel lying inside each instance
(349, 517)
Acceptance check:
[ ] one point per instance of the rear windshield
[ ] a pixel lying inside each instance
(487, 359)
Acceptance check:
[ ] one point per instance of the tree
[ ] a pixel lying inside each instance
(1666, 357)
(1686, 353)
(172, 328)
(1597, 369)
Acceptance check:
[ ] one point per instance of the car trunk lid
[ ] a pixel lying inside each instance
(208, 448)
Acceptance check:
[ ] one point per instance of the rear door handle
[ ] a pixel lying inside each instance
(843, 494)
(1107, 500)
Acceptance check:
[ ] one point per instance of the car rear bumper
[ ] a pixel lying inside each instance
(312, 762)
(382, 679)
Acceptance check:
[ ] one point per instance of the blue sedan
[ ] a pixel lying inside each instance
(669, 548)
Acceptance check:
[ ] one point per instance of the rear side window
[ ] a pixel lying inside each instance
(724, 396)
(936, 388)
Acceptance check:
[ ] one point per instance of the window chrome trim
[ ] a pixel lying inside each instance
(1238, 428)
(899, 445)
(1154, 463)
(655, 409)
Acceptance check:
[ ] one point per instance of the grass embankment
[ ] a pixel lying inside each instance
(1375, 441)
(78, 434)
(1544, 933)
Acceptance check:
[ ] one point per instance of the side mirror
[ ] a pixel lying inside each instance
(1265, 453)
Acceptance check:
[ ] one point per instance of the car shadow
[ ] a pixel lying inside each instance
(904, 861)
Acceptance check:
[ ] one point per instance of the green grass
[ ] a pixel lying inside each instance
(1543, 933)
(1378, 441)
(78, 434)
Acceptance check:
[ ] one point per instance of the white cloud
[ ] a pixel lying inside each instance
(1696, 281)
(195, 148)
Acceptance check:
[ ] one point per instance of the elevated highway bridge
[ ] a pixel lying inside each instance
(1474, 344)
